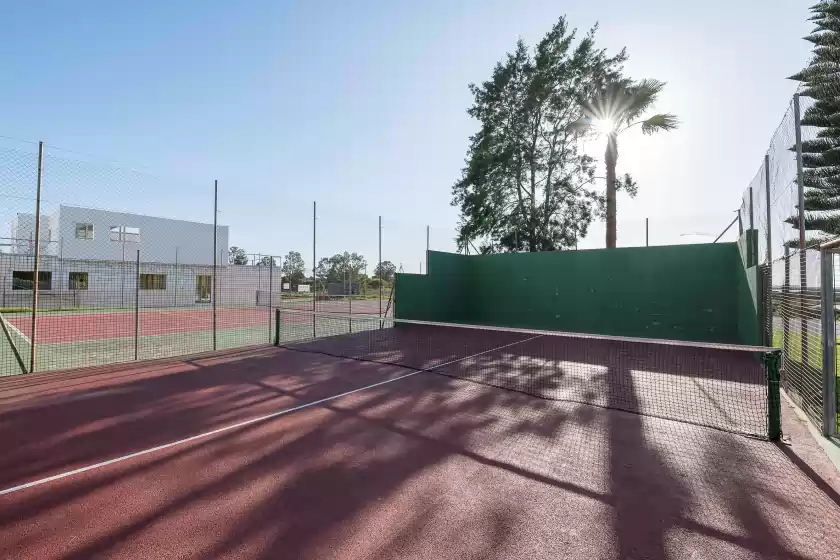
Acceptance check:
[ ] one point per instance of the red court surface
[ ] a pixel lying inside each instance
(55, 329)
(424, 466)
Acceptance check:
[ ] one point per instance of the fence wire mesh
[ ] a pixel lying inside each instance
(791, 295)
(132, 266)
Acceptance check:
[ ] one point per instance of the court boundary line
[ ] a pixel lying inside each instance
(19, 332)
(204, 435)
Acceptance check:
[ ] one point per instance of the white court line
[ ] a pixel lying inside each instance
(17, 330)
(233, 426)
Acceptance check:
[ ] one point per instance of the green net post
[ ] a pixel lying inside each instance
(277, 327)
(772, 362)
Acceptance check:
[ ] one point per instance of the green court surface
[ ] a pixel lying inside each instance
(118, 350)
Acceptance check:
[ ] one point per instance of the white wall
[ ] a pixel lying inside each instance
(161, 240)
(112, 284)
(23, 234)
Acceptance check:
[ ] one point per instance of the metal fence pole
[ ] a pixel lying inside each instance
(215, 263)
(752, 220)
(829, 344)
(380, 267)
(786, 312)
(427, 250)
(314, 287)
(175, 296)
(270, 294)
(647, 232)
(137, 307)
(767, 198)
(35, 272)
(803, 280)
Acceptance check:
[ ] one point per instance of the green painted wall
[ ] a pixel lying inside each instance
(685, 292)
(441, 295)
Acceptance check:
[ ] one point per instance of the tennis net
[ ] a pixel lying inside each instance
(727, 387)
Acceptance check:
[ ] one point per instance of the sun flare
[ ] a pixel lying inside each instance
(604, 126)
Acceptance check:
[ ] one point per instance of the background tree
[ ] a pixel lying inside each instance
(525, 184)
(267, 261)
(385, 271)
(236, 255)
(341, 267)
(293, 268)
(821, 155)
(612, 110)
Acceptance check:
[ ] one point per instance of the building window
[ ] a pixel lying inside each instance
(153, 281)
(125, 234)
(78, 281)
(84, 231)
(23, 280)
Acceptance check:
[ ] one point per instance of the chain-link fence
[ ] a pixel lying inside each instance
(772, 207)
(101, 264)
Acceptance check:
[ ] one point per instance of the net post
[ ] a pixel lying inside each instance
(137, 307)
(277, 327)
(772, 362)
(35, 272)
(829, 344)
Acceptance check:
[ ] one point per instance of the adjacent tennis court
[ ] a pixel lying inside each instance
(86, 337)
(83, 338)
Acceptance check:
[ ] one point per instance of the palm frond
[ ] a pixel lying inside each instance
(643, 94)
(660, 122)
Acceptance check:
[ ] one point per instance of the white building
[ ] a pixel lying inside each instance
(87, 234)
(22, 234)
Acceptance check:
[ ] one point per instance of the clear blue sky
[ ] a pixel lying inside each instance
(361, 105)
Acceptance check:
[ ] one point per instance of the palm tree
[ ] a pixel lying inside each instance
(615, 108)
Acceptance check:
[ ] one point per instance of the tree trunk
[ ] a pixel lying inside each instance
(610, 158)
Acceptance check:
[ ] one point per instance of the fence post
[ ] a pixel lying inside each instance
(176, 278)
(35, 271)
(767, 198)
(427, 250)
(380, 269)
(803, 280)
(829, 344)
(215, 264)
(270, 294)
(647, 232)
(137, 307)
(786, 313)
(314, 287)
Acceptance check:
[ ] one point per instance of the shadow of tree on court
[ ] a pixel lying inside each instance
(427, 464)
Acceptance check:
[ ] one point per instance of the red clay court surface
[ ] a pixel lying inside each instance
(81, 327)
(424, 466)
(55, 329)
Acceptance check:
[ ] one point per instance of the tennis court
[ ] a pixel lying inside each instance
(384, 438)
(83, 338)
